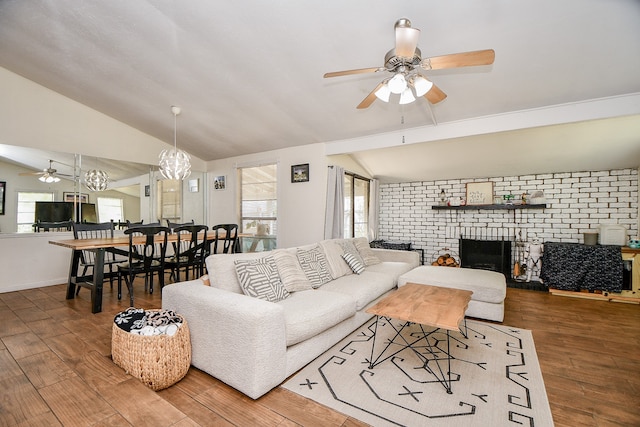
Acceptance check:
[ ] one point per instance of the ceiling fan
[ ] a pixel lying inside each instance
(48, 175)
(405, 63)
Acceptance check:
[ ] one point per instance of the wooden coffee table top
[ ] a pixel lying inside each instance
(428, 305)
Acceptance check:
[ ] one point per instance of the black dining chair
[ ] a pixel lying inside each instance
(88, 258)
(173, 225)
(229, 242)
(190, 251)
(52, 226)
(147, 257)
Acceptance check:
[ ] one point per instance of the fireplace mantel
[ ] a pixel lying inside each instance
(490, 207)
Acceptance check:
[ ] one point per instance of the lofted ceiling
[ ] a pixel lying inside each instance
(248, 76)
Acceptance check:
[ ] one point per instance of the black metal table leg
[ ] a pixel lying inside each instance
(98, 279)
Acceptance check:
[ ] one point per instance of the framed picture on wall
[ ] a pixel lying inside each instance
(300, 173)
(220, 182)
(3, 191)
(480, 193)
(71, 197)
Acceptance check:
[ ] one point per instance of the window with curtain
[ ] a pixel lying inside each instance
(356, 205)
(27, 209)
(110, 208)
(258, 199)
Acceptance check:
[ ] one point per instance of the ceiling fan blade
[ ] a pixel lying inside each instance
(435, 95)
(406, 41)
(455, 60)
(370, 98)
(30, 173)
(350, 72)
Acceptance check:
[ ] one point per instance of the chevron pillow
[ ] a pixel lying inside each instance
(259, 278)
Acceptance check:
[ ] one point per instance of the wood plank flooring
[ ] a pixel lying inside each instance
(55, 368)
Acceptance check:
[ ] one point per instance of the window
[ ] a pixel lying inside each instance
(27, 209)
(258, 200)
(169, 200)
(356, 205)
(110, 209)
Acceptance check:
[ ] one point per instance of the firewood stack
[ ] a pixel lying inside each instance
(445, 260)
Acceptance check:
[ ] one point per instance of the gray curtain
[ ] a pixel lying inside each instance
(334, 214)
(374, 209)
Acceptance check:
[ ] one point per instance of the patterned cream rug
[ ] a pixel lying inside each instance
(495, 377)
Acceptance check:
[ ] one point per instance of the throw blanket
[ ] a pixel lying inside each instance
(574, 267)
(154, 322)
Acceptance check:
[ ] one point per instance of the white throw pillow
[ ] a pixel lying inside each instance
(259, 279)
(333, 252)
(291, 274)
(314, 265)
(368, 256)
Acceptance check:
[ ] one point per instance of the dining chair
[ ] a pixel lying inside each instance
(145, 258)
(173, 225)
(190, 253)
(52, 226)
(229, 242)
(88, 258)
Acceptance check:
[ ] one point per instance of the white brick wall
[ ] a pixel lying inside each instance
(577, 202)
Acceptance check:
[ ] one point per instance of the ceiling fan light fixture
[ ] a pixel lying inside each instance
(383, 93)
(49, 178)
(174, 163)
(421, 85)
(397, 84)
(407, 97)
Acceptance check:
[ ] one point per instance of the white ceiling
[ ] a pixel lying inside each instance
(248, 75)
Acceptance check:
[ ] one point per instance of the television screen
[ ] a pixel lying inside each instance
(63, 211)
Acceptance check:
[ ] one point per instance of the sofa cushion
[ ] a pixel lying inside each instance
(259, 278)
(362, 245)
(308, 313)
(354, 263)
(363, 288)
(333, 252)
(314, 265)
(291, 274)
(391, 268)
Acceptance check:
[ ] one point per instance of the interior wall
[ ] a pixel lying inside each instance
(34, 116)
(577, 202)
(301, 205)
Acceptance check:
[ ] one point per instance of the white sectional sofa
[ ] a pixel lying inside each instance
(253, 344)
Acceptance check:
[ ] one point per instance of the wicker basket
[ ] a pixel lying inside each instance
(159, 361)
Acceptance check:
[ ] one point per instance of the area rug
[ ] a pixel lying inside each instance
(495, 377)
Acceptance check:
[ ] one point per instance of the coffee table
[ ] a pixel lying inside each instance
(424, 305)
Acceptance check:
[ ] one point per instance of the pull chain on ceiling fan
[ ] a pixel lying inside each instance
(405, 62)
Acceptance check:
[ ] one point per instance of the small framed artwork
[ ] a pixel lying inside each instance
(220, 182)
(480, 193)
(300, 173)
(3, 191)
(73, 197)
(147, 191)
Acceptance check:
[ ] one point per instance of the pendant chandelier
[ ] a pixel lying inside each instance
(96, 180)
(174, 163)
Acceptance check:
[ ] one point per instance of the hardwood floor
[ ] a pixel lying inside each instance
(55, 368)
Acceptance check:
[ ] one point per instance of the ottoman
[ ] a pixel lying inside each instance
(489, 287)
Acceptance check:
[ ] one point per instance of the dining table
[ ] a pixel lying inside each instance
(118, 245)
